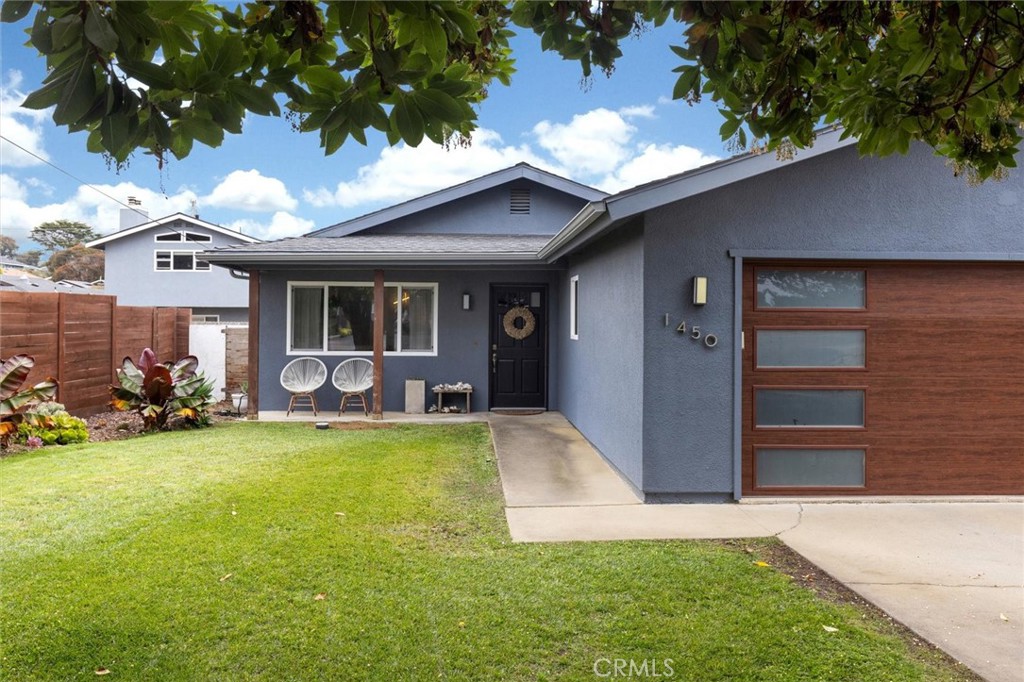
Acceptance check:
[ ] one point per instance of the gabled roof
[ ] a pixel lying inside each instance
(385, 249)
(159, 222)
(519, 171)
(598, 217)
(594, 219)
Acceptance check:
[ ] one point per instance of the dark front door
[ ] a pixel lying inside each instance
(519, 345)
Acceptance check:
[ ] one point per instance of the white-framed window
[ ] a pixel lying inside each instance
(182, 236)
(336, 318)
(574, 307)
(179, 261)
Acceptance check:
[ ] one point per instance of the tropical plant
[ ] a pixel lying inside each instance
(158, 390)
(14, 399)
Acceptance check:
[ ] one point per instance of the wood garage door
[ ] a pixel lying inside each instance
(883, 379)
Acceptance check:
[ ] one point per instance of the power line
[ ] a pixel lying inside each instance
(184, 234)
(73, 177)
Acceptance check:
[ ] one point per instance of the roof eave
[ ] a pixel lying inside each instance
(565, 238)
(257, 260)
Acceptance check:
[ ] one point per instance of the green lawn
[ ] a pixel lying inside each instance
(200, 555)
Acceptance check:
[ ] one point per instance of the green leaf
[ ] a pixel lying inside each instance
(204, 130)
(14, 10)
(154, 75)
(66, 32)
(407, 120)
(78, 95)
(99, 31)
(253, 98)
(729, 128)
(46, 96)
(752, 40)
(323, 78)
(689, 81)
(438, 105)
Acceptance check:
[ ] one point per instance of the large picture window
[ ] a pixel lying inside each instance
(338, 318)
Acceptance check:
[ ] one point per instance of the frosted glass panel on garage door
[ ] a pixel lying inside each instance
(797, 408)
(810, 348)
(809, 468)
(814, 289)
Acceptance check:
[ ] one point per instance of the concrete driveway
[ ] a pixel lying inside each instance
(952, 571)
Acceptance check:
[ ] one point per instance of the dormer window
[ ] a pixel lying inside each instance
(519, 202)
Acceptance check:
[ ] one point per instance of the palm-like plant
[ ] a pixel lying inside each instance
(157, 390)
(14, 399)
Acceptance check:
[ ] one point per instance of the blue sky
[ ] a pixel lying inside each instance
(271, 182)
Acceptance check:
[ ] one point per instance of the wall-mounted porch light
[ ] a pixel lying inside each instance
(467, 301)
(700, 290)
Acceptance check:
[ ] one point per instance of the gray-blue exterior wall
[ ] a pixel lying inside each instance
(463, 336)
(487, 212)
(837, 203)
(601, 374)
(131, 275)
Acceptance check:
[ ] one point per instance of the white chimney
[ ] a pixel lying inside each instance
(130, 217)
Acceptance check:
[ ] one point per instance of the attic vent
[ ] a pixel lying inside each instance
(519, 202)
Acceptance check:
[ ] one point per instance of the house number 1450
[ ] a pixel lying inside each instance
(694, 332)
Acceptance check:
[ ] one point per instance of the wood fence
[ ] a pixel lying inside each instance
(80, 340)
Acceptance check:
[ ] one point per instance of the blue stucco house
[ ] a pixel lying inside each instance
(828, 324)
(153, 263)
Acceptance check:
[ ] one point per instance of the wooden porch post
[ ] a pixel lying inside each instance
(378, 344)
(254, 345)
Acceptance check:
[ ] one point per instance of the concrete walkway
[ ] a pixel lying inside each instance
(951, 571)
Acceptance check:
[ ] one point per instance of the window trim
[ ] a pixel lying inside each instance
(574, 312)
(292, 285)
(171, 253)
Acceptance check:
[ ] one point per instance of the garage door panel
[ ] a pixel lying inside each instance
(943, 380)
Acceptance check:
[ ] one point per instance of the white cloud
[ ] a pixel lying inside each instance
(22, 126)
(653, 162)
(640, 111)
(19, 215)
(251, 191)
(592, 143)
(404, 172)
(281, 225)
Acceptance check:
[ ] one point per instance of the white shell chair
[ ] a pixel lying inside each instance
(353, 378)
(301, 377)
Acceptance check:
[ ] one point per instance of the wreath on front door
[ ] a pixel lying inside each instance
(517, 313)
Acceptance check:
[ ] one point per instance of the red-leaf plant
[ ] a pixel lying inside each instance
(157, 390)
(15, 400)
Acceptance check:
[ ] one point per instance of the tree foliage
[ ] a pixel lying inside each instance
(59, 235)
(78, 263)
(8, 246)
(948, 73)
(31, 257)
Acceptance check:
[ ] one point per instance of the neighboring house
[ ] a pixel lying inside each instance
(13, 265)
(24, 282)
(153, 263)
(828, 325)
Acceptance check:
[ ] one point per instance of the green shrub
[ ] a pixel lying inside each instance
(59, 429)
(48, 409)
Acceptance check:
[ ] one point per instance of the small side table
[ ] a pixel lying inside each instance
(468, 392)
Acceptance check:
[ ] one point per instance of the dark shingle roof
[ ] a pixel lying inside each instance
(386, 248)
